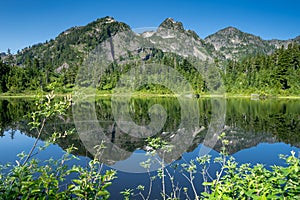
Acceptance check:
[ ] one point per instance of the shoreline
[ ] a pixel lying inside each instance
(246, 96)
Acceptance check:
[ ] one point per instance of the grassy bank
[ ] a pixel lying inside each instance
(33, 94)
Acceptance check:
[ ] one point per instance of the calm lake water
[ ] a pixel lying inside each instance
(258, 132)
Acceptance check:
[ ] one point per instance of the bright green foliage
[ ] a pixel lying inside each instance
(274, 74)
(157, 143)
(257, 182)
(90, 182)
(278, 73)
(127, 193)
(232, 181)
(243, 181)
(30, 178)
(44, 180)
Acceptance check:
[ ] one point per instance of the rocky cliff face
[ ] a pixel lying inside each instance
(235, 44)
(172, 37)
(71, 46)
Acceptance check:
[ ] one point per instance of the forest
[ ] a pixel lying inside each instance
(274, 74)
(269, 75)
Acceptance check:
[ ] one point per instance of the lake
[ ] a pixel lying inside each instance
(257, 130)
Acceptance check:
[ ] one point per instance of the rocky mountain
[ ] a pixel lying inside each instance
(70, 47)
(172, 37)
(232, 43)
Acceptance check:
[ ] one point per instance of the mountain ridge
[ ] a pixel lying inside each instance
(227, 43)
(245, 62)
(235, 44)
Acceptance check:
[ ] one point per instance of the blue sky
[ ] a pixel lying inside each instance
(27, 22)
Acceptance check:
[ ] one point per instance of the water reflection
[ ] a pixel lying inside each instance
(257, 130)
(247, 124)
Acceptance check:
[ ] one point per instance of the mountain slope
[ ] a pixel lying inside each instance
(232, 43)
(71, 46)
(172, 37)
(55, 63)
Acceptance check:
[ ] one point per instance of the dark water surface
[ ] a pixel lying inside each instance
(258, 131)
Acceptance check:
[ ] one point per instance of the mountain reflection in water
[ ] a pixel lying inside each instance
(257, 132)
(247, 124)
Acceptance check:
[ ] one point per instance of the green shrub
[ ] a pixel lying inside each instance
(233, 181)
(30, 178)
(257, 182)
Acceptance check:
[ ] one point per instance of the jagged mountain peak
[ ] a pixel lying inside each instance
(106, 20)
(172, 37)
(233, 43)
(98, 25)
(169, 23)
(230, 30)
(73, 44)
